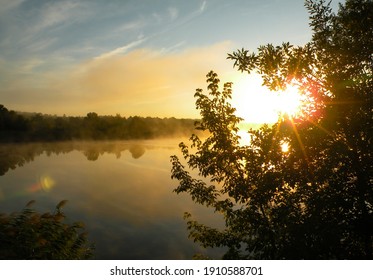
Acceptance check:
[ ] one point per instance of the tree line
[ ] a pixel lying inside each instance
(20, 127)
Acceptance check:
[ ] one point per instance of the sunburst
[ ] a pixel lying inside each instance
(257, 104)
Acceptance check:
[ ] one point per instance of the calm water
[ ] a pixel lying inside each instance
(122, 191)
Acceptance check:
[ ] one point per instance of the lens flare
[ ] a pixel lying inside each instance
(46, 183)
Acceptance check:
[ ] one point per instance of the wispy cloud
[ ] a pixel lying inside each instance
(191, 16)
(133, 25)
(41, 44)
(173, 12)
(29, 65)
(121, 50)
(56, 13)
(43, 26)
(203, 6)
(157, 17)
(141, 82)
(173, 47)
(159, 80)
(6, 5)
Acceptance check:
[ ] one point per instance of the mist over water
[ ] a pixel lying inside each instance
(121, 190)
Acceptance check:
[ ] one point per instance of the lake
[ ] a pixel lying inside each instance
(121, 190)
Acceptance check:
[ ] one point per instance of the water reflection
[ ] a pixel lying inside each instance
(121, 190)
(137, 151)
(16, 155)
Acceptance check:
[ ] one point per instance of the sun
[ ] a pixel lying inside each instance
(289, 102)
(255, 103)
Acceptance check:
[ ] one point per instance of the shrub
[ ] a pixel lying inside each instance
(32, 235)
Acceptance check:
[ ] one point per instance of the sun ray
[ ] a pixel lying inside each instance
(255, 103)
(300, 142)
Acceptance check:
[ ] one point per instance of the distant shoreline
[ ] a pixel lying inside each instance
(34, 127)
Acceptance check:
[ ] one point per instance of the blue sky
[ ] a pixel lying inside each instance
(131, 57)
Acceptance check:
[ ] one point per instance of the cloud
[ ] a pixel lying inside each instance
(42, 44)
(30, 64)
(121, 50)
(173, 12)
(133, 25)
(174, 47)
(141, 82)
(148, 82)
(203, 6)
(157, 17)
(34, 30)
(57, 12)
(6, 5)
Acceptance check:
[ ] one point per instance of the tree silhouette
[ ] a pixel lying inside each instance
(34, 127)
(316, 200)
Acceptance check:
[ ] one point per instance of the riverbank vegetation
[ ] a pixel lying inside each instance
(31, 127)
(29, 235)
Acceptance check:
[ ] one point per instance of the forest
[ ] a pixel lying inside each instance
(32, 127)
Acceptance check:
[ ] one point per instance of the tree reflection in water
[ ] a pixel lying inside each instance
(122, 191)
(16, 155)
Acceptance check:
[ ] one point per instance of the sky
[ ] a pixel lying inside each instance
(135, 57)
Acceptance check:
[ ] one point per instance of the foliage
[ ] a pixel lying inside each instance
(316, 200)
(31, 235)
(17, 127)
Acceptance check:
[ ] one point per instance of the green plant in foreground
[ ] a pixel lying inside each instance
(31, 235)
